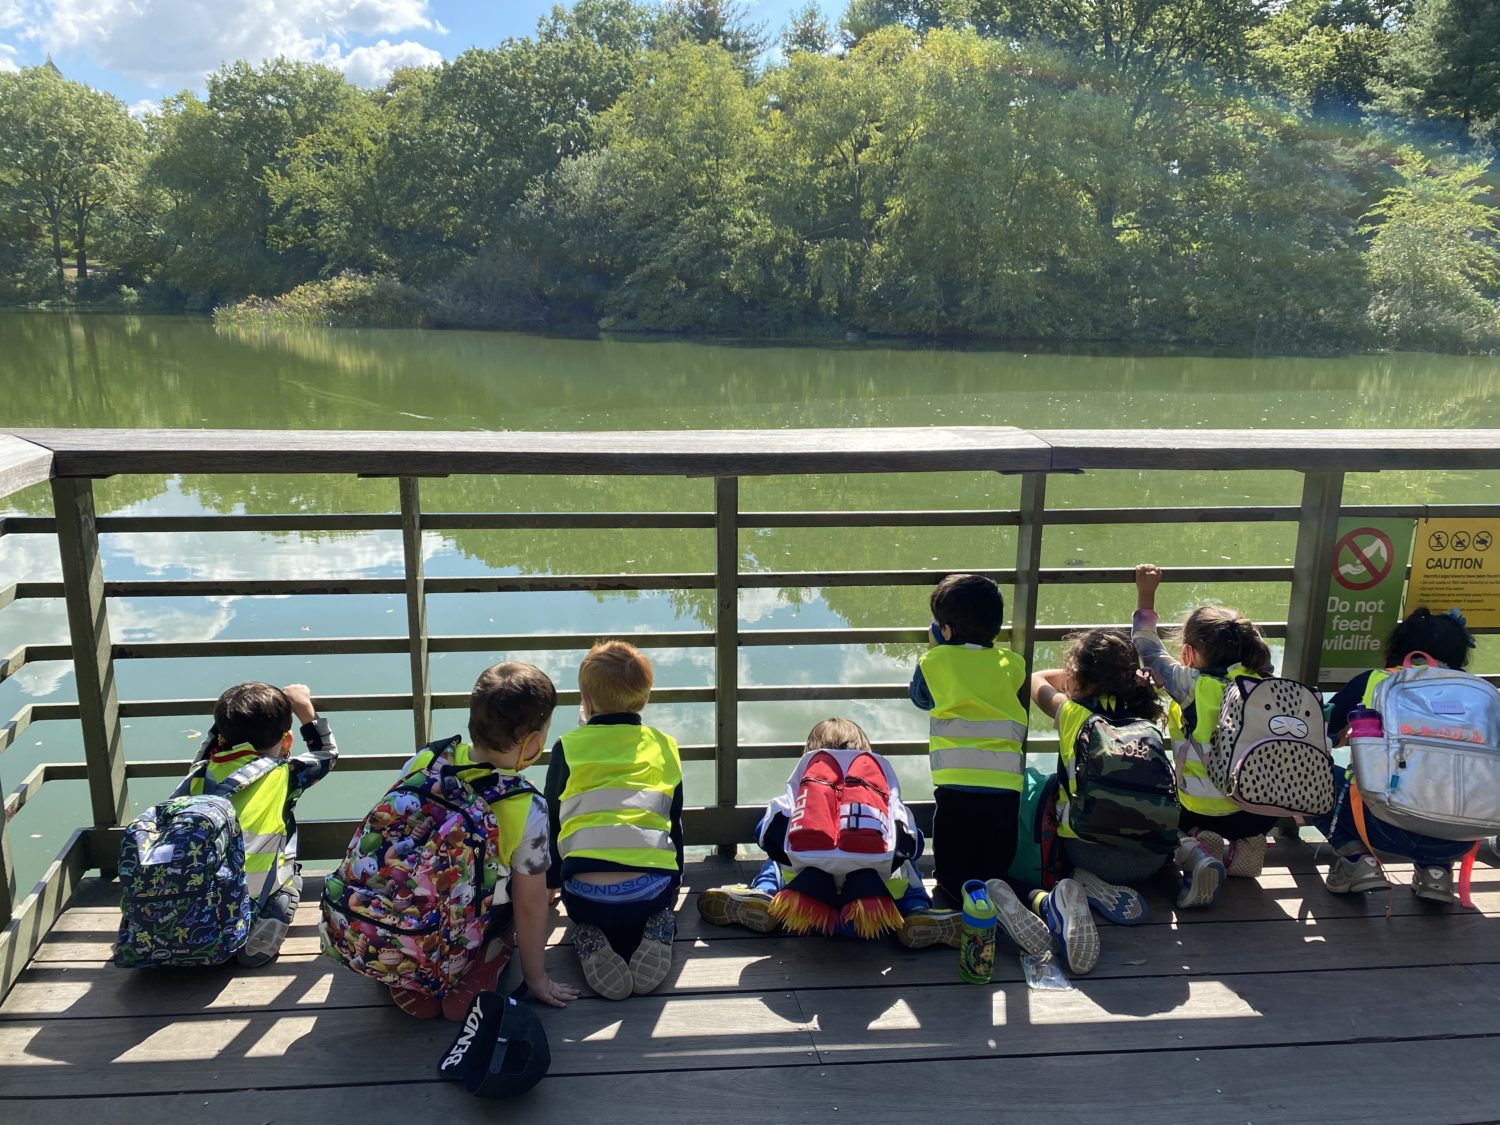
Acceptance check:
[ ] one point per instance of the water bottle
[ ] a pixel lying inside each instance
(976, 949)
(1364, 723)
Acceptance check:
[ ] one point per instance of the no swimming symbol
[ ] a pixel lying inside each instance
(1363, 558)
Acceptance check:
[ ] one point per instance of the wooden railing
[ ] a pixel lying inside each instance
(72, 459)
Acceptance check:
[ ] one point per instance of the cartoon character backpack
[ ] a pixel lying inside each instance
(1124, 786)
(410, 902)
(1269, 751)
(843, 807)
(184, 899)
(1436, 768)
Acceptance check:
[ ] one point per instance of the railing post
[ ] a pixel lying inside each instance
(416, 609)
(7, 871)
(1312, 569)
(93, 665)
(1023, 602)
(726, 645)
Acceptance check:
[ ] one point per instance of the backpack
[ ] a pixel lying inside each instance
(1269, 752)
(184, 899)
(1436, 768)
(411, 900)
(1124, 790)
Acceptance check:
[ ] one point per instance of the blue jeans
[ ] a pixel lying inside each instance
(768, 880)
(1386, 838)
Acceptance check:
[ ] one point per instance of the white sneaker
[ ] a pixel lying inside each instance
(1065, 911)
(1355, 875)
(1435, 884)
(1020, 924)
(1202, 875)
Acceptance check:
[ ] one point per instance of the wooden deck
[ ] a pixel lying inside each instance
(1282, 1003)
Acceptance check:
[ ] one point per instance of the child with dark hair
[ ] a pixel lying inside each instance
(254, 720)
(1446, 639)
(1218, 645)
(972, 690)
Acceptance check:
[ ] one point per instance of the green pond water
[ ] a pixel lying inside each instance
(58, 370)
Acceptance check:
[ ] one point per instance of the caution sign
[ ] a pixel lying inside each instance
(1364, 596)
(1457, 566)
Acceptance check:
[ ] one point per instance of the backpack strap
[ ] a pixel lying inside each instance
(246, 775)
(1357, 808)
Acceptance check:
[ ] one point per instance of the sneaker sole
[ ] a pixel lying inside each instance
(1080, 937)
(722, 908)
(1023, 927)
(1124, 906)
(922, 931)
(1203, 889)
(649, 966)
(1362, 887)
(1435, 896)
(607, 974)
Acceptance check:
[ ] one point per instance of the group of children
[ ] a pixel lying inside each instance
(456, 867)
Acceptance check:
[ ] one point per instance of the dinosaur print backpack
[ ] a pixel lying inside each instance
(184, 899)
(1269, 751)
(409, 904)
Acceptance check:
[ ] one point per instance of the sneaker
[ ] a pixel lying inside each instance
(269, 930)
(1355, 875)
(1489, 850)
(603, 968)
(1124, 906)
(927, 927)
(1065, 911)
(737, 906)
(652, 959)
(1242, 859)
(1434, 884)
(1202, 875)
(1020, 925)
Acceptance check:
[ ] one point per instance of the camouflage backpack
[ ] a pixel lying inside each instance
(183, 894)
(411, 900)
(1124, 786)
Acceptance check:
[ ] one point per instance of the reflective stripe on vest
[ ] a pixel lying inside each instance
(617, 803)
(977, 723)
(260, 808)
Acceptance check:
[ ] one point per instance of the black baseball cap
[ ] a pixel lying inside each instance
(500, 1052)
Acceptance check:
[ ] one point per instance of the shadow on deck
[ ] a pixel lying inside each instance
(1282, 1003)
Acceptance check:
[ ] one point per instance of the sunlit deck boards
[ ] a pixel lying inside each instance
(1281, 1004)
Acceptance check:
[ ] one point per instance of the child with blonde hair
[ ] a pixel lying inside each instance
(614, 800)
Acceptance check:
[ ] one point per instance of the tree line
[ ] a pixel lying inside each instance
(1310, 175)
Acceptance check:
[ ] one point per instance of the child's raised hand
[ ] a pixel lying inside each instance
(300, 697)
(553, 993)
(1147, 578)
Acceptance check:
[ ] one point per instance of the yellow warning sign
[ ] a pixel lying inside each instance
(1456, 565)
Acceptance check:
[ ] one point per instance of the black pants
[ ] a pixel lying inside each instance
(973, 836)
(1232, 826)
(622, 922)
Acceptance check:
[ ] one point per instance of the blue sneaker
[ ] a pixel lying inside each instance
(1065, 910)
(1124, 906)
(1202, 874)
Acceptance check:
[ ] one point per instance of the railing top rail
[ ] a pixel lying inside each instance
(86, 453)
(22, 464)
(102, 452)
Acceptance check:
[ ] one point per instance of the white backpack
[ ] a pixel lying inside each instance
(1269, 752)
(1436, 768)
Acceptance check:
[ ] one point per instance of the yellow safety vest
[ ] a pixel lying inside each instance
(617, 804)
(977, 724)
(1195, 792)
(1368, 699)
(510, 815)
(260, 808)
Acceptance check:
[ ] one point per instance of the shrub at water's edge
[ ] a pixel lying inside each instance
(350, 300)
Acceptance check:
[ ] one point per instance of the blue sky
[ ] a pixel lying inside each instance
(140, 50)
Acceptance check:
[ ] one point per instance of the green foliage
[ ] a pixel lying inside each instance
(350, 300)
(807, 30)
(1434, 255)
(723, 22)
(1444, 65)
(1319, 53)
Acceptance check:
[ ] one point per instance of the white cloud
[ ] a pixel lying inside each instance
(162, 42)
(374, 65)
(143, 108)
(11, 14)
(7, 58)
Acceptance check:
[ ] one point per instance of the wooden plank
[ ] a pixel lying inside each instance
(22, 464)
(93, 666)
(1352, 451)
(1264, 1085)
(34, 917)
(726, 648)
(1027, 590)
(1307, 609)
(416, 609)
(718, 453)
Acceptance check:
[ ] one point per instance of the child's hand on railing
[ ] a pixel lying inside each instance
(300, 698)
(1147, 579)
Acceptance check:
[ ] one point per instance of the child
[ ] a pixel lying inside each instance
(1099, 676)
(250, 720)
(614, 801)
(1218, 643)
(970, 688)
(844, 797)
(1447, 640)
